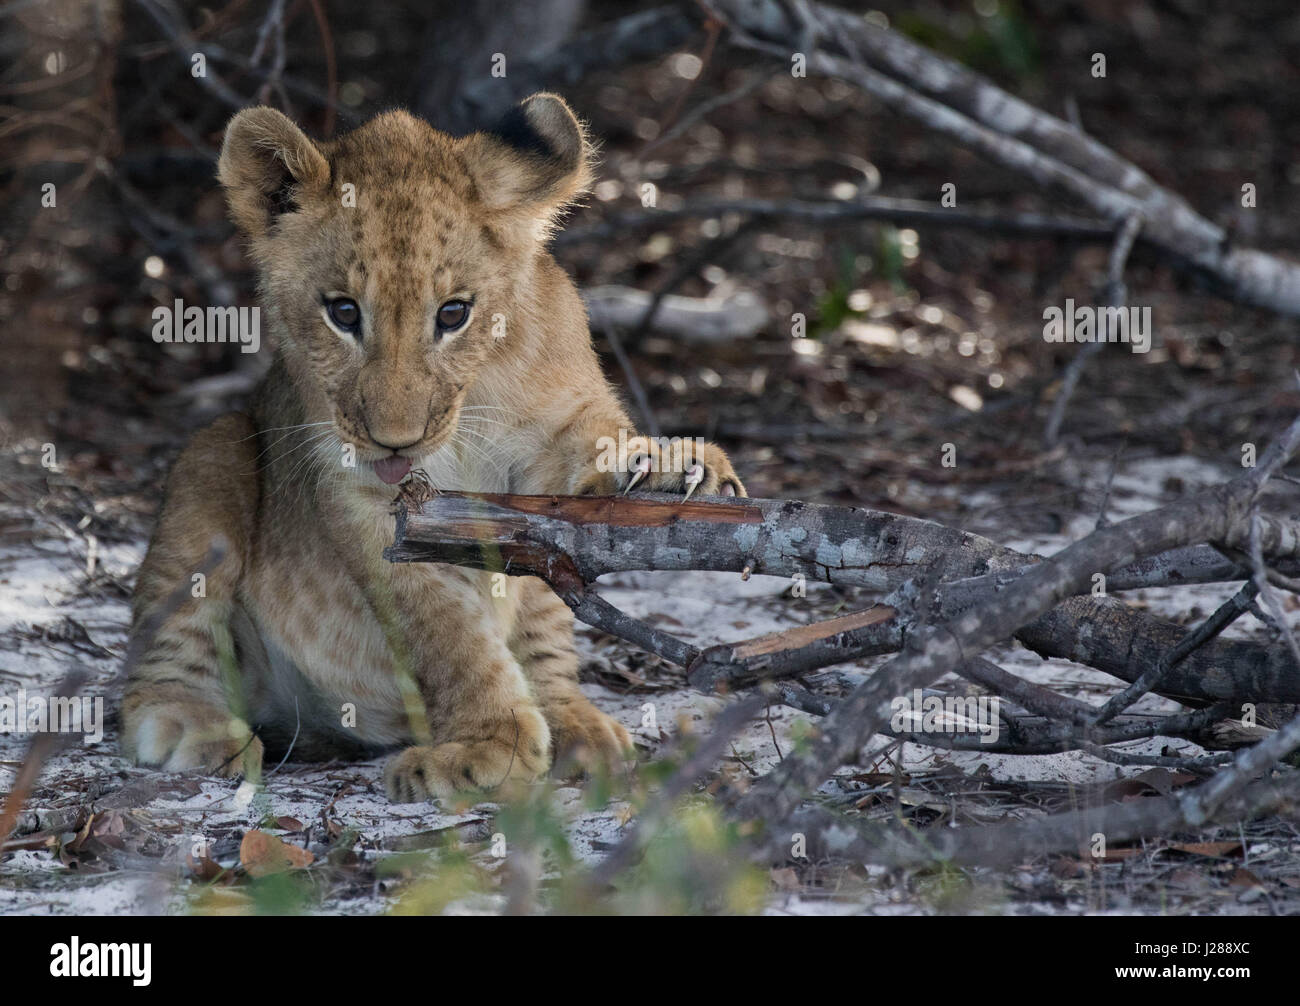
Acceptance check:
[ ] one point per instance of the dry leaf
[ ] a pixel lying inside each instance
(204, 868)
(76, 844)
(1113, 855)
(1153, 780)
(1206, 848)
(261, 854)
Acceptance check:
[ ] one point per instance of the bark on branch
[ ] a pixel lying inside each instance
(571, 541)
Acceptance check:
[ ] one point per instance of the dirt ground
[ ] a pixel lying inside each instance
(105, 837)
(918, 340)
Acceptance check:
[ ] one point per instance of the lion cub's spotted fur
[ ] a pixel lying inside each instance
(303, 629)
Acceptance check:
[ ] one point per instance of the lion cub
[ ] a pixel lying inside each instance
(419, 322)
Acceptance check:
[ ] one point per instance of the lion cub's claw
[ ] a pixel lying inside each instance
(651, 468)
(638, 469)
(710, 474)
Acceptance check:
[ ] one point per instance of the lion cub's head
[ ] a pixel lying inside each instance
(388, 257)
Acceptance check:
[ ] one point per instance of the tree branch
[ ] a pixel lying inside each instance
(960, 104)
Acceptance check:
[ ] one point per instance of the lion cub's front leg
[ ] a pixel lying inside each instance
(485, 727)
(178, 711)
(582, 737)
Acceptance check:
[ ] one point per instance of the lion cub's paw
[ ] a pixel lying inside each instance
(517, 751)
(585, 739)
(652, 467)
(183, 738)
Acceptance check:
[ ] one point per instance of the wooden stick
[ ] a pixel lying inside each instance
(571, 541)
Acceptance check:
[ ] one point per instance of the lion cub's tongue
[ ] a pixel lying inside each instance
(393, 469)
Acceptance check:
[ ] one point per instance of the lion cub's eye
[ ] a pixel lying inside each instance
(452, 315)
(345, 313)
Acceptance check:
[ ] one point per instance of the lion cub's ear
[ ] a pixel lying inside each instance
(266, 164)
(535, 161)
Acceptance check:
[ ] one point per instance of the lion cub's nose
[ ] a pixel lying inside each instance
(395, 432)
(394, 405)
(383, 441)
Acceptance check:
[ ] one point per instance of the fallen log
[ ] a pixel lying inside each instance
(572, 541)
(556, 537)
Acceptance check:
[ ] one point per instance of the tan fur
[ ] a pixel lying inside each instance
(303, 613)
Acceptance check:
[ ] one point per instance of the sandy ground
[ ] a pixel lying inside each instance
(43, 599)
